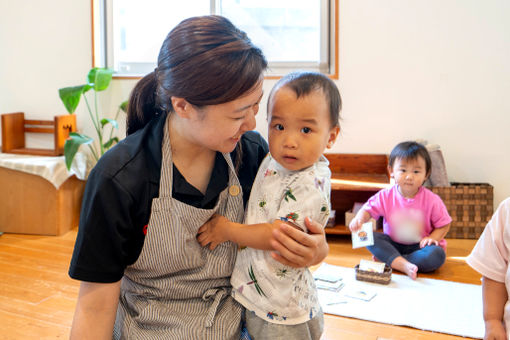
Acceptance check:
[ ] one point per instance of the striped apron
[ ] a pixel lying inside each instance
(177, 289)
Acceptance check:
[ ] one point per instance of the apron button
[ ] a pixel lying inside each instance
(234, 190)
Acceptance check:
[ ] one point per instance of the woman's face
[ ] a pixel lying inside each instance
(219, 127)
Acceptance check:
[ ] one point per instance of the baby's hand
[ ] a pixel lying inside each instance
(213, 232)
(355, 224)
(427, 241)
(494, 330)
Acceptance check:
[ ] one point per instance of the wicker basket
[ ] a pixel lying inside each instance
(382, 278)
(470, 205)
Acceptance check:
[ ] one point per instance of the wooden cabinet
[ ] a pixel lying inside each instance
(30, 204)
(355, 178)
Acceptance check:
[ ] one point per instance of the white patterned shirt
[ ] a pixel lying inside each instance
(275, 292)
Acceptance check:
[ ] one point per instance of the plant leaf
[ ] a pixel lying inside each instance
(100, 78)
(91, 77)
(72, 145)
(105, 121)
(70, 96)
(87, 87)
(123, 106)
(109, 144)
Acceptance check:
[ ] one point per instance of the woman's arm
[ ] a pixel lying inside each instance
(95, 312)
(495, 297)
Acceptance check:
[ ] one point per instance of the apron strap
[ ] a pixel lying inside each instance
(165, 181)
(217, 295)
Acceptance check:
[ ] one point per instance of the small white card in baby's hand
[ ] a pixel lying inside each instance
(371, 266)
(363, 237)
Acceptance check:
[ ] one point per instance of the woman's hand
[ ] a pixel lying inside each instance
(298, 249)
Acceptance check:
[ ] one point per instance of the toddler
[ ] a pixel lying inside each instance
(293, 182)
(415, 219)
(490, 258)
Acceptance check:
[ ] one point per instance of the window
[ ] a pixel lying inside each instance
(293, 34)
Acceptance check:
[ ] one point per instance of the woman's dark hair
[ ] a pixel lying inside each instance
(205, 60)
(410, 150)
(304, 82)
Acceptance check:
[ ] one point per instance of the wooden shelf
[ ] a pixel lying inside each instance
(354, 178)
(338, 229)
(359, 182)
(15, 126)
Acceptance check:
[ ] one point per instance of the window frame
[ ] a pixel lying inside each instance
(329, 64)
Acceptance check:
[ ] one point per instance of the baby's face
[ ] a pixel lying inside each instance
(409, 174)
(299, 128)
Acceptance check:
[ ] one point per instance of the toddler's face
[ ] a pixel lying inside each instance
(409, 174)
(299, 128)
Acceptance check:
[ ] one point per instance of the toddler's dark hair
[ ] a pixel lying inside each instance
(410, 150)
(304, 82)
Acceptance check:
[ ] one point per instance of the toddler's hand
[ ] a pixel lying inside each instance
(427, 241)
(494, 330)
(212, 232)
(355, 224)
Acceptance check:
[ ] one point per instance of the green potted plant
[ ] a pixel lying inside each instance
(98, 80)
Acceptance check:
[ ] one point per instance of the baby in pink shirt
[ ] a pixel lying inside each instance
(415, 219)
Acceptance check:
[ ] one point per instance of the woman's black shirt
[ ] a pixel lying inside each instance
(118, 196)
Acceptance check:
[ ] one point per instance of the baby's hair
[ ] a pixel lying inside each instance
(304, 82)
(410, 150)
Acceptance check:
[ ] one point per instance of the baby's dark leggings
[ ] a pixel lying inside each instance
(428, 258)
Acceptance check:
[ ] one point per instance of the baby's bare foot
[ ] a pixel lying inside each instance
(411, 270)
(401, 264)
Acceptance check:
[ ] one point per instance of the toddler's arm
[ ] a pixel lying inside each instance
(361, 217)
(494, 298)
(435, 236)
(219, 229)
(290, 246)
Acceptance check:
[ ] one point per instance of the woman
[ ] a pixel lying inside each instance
(189, 154)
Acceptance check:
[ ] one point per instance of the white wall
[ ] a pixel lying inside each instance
(437, 69)
(44, 45)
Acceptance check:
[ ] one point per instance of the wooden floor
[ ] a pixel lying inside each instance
(37, 297)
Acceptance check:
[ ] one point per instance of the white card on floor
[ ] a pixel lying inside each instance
(371, 266)
(361, 294)
(332, 286)
(363, 237)
(327, 272)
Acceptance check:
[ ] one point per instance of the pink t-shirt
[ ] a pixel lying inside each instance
(491, 253)
(408, 220)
